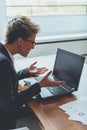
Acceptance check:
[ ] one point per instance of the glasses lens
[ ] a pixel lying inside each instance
(31, 41)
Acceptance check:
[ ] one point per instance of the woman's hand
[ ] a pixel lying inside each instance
(47, 82)
(34, 70)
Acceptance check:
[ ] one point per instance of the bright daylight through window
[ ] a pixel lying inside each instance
(45, 7)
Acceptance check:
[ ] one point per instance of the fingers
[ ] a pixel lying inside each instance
(55, 83)
(61, 82)
(48, 74)
(42, 70)
(45, 70)
(34, 63)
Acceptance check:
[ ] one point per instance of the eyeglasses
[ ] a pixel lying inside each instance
(31, 41)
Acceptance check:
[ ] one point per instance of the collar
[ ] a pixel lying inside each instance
(11, 56)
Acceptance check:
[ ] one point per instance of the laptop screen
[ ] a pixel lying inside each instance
(68, 67)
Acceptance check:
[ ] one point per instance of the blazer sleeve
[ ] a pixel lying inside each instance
(24, 96)
(24, 73)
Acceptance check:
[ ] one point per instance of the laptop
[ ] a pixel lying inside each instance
(68, 67)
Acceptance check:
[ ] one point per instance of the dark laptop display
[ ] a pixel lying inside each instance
(68, 67)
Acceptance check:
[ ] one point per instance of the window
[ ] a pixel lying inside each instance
(55, 17)
(45, 7)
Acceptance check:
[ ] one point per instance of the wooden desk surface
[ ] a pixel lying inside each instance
(53, 118)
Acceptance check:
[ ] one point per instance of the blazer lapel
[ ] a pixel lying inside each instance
(4, 51)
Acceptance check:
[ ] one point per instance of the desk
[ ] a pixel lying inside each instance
(49, 115)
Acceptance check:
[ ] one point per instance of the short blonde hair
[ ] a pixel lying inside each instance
(20, 26)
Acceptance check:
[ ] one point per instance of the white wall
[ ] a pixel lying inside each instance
(61, 24)
(2, 18)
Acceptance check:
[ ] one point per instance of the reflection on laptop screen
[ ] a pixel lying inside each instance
(68, 67)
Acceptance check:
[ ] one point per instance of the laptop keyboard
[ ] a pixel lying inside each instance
(57, 89)
(67, 87)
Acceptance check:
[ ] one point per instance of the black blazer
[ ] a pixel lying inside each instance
(10, 99)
